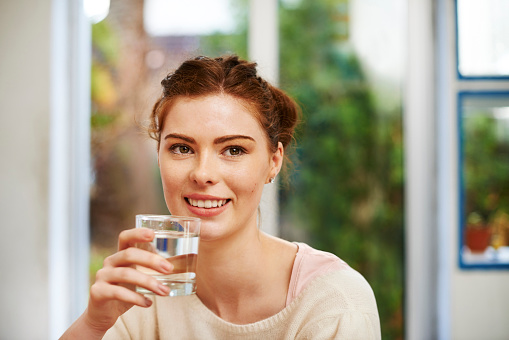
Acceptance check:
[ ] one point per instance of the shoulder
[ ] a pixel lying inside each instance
(320, 274)
(346, 289)
(309, 264)
(314, 259)
(338, 303)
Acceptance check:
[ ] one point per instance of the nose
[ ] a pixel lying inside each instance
(205, 170)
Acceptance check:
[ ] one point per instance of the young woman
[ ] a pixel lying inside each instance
(221, 135)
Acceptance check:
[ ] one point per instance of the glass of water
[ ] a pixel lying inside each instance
(176, 239)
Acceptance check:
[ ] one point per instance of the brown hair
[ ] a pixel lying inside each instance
(277, 112)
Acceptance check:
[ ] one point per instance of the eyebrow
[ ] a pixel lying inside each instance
(179, 136)
(225, 139)
(218, 140)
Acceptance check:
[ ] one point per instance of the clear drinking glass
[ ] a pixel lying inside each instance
(176, 239)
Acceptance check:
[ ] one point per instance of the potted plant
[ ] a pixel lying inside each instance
(477, 233)
(500, 229)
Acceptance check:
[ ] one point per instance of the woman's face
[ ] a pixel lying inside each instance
(214, 160)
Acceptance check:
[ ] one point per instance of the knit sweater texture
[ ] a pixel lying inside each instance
(328, 301)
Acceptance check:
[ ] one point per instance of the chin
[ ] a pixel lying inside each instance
(210, 232)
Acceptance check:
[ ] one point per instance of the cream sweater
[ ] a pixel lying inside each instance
(337, 304)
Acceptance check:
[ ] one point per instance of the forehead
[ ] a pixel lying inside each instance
(220, 113)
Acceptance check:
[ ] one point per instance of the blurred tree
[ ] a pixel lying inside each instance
(123, 162)
(218, 44)
(347, 190)
(486, 164)
(124, 83)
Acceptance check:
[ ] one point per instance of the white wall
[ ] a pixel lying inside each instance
(24, 139)
(480, 305)
(44, 156)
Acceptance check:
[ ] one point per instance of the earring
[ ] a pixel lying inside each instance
(271, 180)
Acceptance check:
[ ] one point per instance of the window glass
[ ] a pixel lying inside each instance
(344, 63)
(343, 60)
(485, 184)
(133, 49)
(483, 41)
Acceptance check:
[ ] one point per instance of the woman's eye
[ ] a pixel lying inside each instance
(180, 149)
(234, 151)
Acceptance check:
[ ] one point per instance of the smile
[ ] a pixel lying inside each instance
(207, 204)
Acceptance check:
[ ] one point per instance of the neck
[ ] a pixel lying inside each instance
(231, 265)
(233, 276)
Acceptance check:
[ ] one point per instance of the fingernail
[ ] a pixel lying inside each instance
(166, 266)
(147, 234)
(164, 290)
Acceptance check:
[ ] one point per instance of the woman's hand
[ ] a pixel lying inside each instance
(113, 293)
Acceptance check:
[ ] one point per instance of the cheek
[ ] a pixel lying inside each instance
(246, 183)
(255, 186)
(172, 170)
(170, 178)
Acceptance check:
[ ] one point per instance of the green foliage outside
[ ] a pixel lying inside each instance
(104, 116)
(218, 44)
(105, 48)
(486, 165)
(346, 190)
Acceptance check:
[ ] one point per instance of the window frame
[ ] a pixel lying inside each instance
(461, 95)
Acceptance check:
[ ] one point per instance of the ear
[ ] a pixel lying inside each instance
(277, 160)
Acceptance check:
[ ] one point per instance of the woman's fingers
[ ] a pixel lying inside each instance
(116, 280)
(101, 293)
(128, 276)
(128, 254)
(118, 269)
(140, 257)
(113, 293)
(129, 238)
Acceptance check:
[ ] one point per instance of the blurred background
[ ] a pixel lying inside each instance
(400, 166)
(345, 193)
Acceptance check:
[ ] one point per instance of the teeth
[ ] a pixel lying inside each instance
(207, 204)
